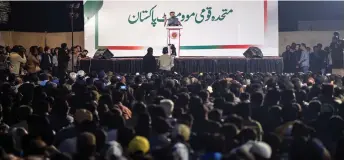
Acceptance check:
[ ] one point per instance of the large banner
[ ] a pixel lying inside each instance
(210, 28)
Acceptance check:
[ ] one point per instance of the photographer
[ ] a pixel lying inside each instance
(17, 58)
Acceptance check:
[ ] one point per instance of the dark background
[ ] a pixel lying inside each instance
(54, 16)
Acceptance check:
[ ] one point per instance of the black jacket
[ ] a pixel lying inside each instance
(63, 58)
(149, 64)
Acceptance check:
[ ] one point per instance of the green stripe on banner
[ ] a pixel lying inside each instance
(198, 47)
(241, 46)
(91, 8)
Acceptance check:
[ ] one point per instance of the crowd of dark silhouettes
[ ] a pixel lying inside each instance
(206, 116)
(318, 59)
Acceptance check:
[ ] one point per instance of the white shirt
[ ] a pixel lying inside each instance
(165, 62)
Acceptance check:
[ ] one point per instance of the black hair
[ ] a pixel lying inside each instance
(64, 45)
(165, 50)
(150, 50)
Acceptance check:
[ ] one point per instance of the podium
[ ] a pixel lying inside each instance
(173, 37)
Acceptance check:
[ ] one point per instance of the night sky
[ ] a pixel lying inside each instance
(54, 16)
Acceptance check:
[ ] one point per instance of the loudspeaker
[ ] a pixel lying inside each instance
(103, 54)
(253, 52)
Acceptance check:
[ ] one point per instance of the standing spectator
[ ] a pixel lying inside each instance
(293, 58)
(63, 59)
(337, 47)
(286, 59)
(149, 62)
(313, 60)
(72, 66)
(33, 62)
(46, 60)
(55, 61)
(17, 58)
(329, 57)
(304, 59)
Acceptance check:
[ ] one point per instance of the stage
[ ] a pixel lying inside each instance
(189, 64)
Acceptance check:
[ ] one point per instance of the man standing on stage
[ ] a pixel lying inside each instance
(173, 20)
(337, 47)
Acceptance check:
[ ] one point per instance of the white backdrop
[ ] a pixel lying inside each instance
(242, 25)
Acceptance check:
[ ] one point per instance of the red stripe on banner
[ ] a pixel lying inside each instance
(125, 47)
(265, 14)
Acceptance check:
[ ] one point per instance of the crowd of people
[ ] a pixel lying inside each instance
(19, 61)
(162, 115)
(302, 58)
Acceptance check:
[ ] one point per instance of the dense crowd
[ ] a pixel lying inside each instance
(48, 114)
(206, 116)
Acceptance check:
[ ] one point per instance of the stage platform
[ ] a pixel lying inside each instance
(189, 64)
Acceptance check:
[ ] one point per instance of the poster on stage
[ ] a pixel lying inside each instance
(210, 28)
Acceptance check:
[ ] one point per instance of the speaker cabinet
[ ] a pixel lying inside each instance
(253, 52)
(103, 54)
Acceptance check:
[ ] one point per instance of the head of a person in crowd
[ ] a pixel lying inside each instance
(303, 47)
(47, 49)
(244, 110)
(298, 47)
(138, 80)
(287, 48)
(40, 50)
(165, 50)
(308, 49)
(215, 115)
(8, 49)
(287, 96)
(60, 108)
(117, 96)
(34, 50)
(24, 112)
(315, 49)
(320, 46)
(78, 48)
(247, 134)
(291, 112)
(257, 99)
(293, 46)
(230, 131)
(138, 147)
(272, 97)
(64, 46)
(168, 106)
(114, 119)
(2, 50)
(336, 34)
(75, 50)
(314, 109)
(56, 51)
(86, 145)
(150, 51)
